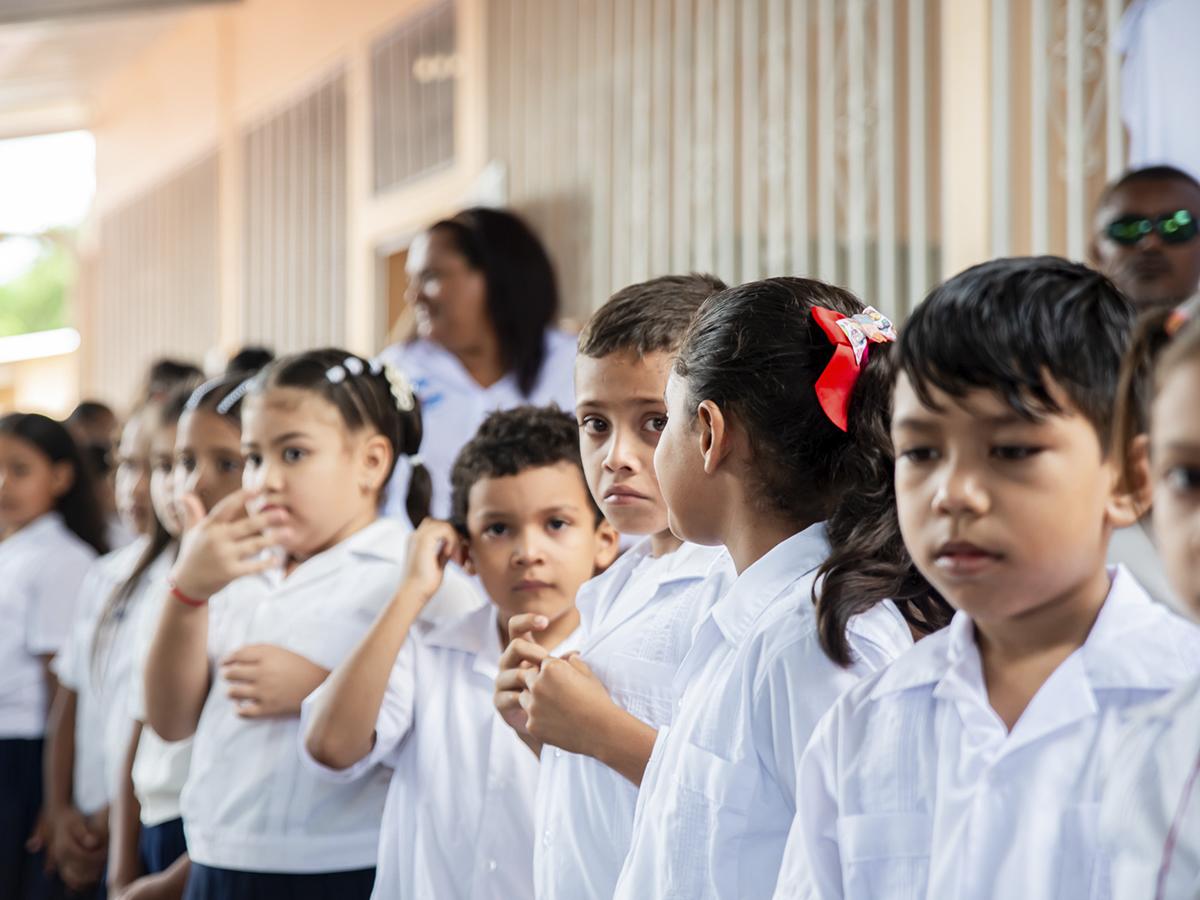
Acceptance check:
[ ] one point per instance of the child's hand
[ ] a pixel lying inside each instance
(79, 850)
(430, 548)
(566, 704)
(39, 838)
(150, 887)
(265, 680)
(518, 663)
(222, 546)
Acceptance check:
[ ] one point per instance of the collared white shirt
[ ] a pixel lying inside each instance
(637, 619)
(454, 405)
(719, 793)
(41, 570)
(458, 822)
(160, 768)
(1152, 788)
(249, 804)
(98, 669)
(913, 787)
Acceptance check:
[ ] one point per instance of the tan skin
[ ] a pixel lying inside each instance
(533, 540)
(621, 415)
(1009, 519)
(449, 299)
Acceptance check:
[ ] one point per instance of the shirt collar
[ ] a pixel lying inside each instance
(39, 528)
(478, 634)
(384, 539)
(756, 588)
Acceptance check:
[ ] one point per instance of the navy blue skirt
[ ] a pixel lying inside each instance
(160, 845)
(21, 876)
(206, 883)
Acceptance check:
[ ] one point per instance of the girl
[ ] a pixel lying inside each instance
(1150, 817)
(94, 675)
(775, 447)
(196, 449)
(485, 299)
(297, 558)
(52, 530)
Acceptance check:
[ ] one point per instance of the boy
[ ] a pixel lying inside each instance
(970, 767)
(637, 618)
(458, 818)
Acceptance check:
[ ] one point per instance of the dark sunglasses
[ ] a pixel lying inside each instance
(1173, 228)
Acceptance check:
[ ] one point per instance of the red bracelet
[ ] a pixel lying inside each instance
(184, 598)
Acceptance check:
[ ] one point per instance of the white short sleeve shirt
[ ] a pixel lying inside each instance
(914, 788)
(637, 619)
(1153, 792)
(249, 804)
(41, 568)
(454, 405)
(719, 794)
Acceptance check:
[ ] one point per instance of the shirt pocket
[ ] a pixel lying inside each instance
(708, 814)
(1082, 871)
(885, 855)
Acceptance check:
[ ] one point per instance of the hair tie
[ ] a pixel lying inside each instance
(851, 337)
(416, 459)
(1181, 315)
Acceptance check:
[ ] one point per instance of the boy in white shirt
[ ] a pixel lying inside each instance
(458, 818)
(598, 713)
(971, 766)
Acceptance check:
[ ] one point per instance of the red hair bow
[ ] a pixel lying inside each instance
(852, 337)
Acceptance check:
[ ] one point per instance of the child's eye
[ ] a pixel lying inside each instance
(187, 463)
(496, 529)
(657, 424)
(293, 454)
(594, 425)
(918, 455)
(1183, 479)
(228, 466)
(557, 524)
(1015, 452)
(253, 459)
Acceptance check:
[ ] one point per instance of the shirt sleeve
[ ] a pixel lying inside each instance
(391, 726)
(55, 588)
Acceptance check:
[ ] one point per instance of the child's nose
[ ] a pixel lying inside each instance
(961, 491)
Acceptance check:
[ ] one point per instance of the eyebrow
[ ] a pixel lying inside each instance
(1182, 447)
(645, 400)
(500, 513)
(276, 441)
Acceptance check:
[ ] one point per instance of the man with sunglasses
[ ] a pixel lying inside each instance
(1145, 237)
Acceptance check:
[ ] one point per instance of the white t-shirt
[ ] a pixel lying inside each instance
(458, 822)
(454, 405)
(1158, 82)
(1152, 788)
(719, 794)
(249, 804)
(41, 567)
(637, 619)
(100, 677)
(914, 788)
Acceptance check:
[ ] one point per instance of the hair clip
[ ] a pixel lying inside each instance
(400, 386)
(234, 397)
(197, 396)
(852, 337)
(353, 365)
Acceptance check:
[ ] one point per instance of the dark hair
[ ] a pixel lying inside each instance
(248, 360)
(77, 506)
(510, 442)
(647, 317)
(364, 399)
(97, 454)
(757, 352)
(1145, 174)
(522, 293)
(166, 374)
(90, 412)
(1010, 324)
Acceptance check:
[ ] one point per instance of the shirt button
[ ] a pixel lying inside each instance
(557, 753)
(492, 864)
(546, 838)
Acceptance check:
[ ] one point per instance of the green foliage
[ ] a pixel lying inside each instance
(37, 299)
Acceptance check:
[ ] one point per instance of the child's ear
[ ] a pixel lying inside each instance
(1131, 494)
(465, 558)
(374, 460)
(608, 546)
(715, 440)
(62, 478)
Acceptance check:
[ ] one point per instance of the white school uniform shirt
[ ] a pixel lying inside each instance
(160, 768)
(101, 683)
(41, 570)
(454, 405)
(249, 804)
(1151, 788)
(458, 822)
(719, 793)
(914, 788)
(637, 620)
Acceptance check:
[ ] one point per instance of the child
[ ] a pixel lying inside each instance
(94, 676)
(1150, 816)
(52, 529)
(970, 767)
(198, 451)
(774, 448)
(320, 434)
(637, 617)
(458, 819)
